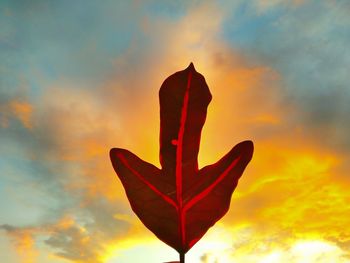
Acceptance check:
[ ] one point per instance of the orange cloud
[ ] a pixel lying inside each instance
(22, 111)
(24, 243)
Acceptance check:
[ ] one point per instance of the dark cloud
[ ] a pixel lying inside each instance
(84, 242)
(81, 235)
(74, 244)
(8, 228)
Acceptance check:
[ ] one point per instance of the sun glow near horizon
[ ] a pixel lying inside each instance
(220, 246)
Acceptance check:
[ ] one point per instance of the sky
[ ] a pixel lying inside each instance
(78, 78)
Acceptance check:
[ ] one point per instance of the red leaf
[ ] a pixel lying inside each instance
(179, 203)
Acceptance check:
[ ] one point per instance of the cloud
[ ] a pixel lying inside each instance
(24, 242)
(19, 110)
(265, 6)
(80, 235)
(310, 54)
(267, 91)
(64, 157)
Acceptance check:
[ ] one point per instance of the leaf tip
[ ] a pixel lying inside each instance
(248, 148)
(191, 67)
(115, 153)
(112, 151)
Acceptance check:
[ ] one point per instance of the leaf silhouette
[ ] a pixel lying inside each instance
(179, 203)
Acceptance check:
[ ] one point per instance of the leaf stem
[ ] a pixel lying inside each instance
(182, 257)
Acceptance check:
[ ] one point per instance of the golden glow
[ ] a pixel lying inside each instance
(274, 257)
(25, 246)
(310, 249)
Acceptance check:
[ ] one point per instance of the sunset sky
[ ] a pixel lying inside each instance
(80, 77)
